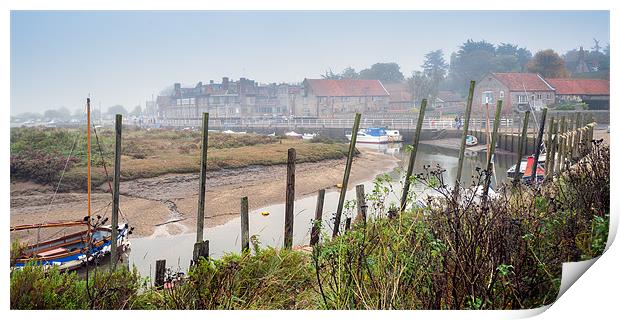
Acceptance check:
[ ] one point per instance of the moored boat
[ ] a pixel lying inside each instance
(471, 141)
(394, 135)
(293, 134)
(371, 135)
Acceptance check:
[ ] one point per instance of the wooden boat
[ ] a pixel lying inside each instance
(74, 250)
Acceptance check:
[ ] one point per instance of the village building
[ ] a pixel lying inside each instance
(400, 100)
(228, 99)
(519, 91)
(593, 92)
(326, 98)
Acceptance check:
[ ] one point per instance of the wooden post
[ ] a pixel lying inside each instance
(347, 172)
(200, 223)
(522, 142)
(347, 224)
(549, 162)
(494, 137)
(361, 204)
(561, 145)
(412, 155)
(470, 98)
(290, 199)
(160, 273)
(575, 136)
(115, 191)
(201, 249)
(539, 141)
(318, 218)
(245, 226)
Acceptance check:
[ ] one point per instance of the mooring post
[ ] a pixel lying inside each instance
(574, 143)
(470, 98)
(201, 249)
(522, 142)
(347, 224)
(550, 161)
(245, 226)
(539, 141)
(361, 204)
(116, 192)
(160, 273)
(347, 172)
(412, 156)
(290, 199)
(203, 178)
(318, 218)
(494, 138)
(561, 145)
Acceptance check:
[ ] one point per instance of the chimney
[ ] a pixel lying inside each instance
(177, 89)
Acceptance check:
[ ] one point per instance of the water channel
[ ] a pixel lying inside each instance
(177, 250)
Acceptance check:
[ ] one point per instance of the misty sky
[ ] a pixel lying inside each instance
(58, 58)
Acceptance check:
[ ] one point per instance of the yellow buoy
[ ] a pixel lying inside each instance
(339, 185)
(265, 213)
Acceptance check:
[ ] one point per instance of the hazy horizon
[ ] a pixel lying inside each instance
(123, 57)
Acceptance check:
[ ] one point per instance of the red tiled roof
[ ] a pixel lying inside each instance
(580, 86)
(346, 88)
(517, 81)
(399, 92)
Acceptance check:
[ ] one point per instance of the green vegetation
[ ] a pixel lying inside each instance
(41, 154)
(502, 252)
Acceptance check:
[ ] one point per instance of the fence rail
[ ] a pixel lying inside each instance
(428, 123)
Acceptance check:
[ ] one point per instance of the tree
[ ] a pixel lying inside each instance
(330, 75)
(57, 114)
(435, 65)
(349, 73)
(137, 110)
(472, 61)
(384, 72)
(117, 109)
(420, 86)
(548, 64)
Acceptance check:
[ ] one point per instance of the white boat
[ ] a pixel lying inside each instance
(371, 135)
(233, 132)
(394, 136)
(293, 134)
(471, 141)
(272, 134)
(309, 136)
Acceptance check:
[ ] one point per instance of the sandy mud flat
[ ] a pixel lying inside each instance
(167, 204)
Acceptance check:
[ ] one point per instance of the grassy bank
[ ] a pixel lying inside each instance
(503, 252)
(41, 154)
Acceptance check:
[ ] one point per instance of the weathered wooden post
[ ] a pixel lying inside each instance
(160, 273)
(494, 138)
(245, 226)
(115, 191)
(549, 147)
(318, 218)
(574, 143)
(412, 156)
(539, 141)
(347, 224)
(561, 139)
(361, 204)
(290, 199)
(347, 172)
(470, 98)
(522, 142)
(201, 247)
(550, 161)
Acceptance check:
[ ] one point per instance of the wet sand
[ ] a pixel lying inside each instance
(167, 204)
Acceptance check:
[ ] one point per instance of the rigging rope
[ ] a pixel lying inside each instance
(105, 169)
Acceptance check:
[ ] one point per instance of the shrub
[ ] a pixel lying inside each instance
(40, 166)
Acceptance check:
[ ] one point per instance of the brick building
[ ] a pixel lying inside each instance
(325, 98)
(517, 90)
(594, 92)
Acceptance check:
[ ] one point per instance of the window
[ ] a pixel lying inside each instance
(522, 98)
(487, 97)
(548, 96)
(539, 96)
(501, 94)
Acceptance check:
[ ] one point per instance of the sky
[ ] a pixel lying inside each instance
(58, 58)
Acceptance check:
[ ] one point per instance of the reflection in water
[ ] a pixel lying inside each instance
(177, 250)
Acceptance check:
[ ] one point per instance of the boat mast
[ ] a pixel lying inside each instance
(88, 157)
